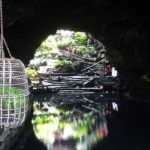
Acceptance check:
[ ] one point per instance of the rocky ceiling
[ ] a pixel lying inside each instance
(122, 25)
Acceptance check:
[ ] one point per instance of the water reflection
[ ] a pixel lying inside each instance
(70, 122)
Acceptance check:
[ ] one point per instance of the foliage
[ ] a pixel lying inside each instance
(31, 72)
(83, 51)
(80, 38)
(64, 65)
(61, 63)
(46, 44)
(65, 42)
(9, 91)
(46, 48)
(11, 103)
(42, 52)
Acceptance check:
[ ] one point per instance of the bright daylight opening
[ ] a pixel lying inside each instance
(68, 52)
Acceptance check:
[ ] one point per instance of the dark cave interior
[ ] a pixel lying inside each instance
(123, 26)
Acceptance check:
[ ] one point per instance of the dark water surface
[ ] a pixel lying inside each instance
(88, 122)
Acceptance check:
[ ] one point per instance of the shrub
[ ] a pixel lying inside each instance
(31, 72)
(64, 65)
(42, 52)
(61, 63)
(64, 43)
(83, 51)
(12, 91)
(80, 38)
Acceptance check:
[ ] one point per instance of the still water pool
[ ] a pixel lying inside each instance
(88, 122)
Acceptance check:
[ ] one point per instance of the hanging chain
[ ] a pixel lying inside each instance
(2, 39)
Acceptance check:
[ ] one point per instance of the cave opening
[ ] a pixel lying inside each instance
(67, 52)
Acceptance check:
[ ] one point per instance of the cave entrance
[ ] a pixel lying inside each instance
(69, 52)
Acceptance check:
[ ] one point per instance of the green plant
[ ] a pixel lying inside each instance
(64, 65)
(31, 72)
(65, 42)
(11, 92)
(42, 52)
(80, 38)
(84, 51)
(46, 45)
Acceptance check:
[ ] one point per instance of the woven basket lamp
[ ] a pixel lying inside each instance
(14, 93)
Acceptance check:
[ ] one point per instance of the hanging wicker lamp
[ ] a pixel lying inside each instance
(14, 93)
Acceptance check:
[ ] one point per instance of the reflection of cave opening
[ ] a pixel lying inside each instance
(76, 121)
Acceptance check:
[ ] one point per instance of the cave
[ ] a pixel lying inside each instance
(122, 26)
